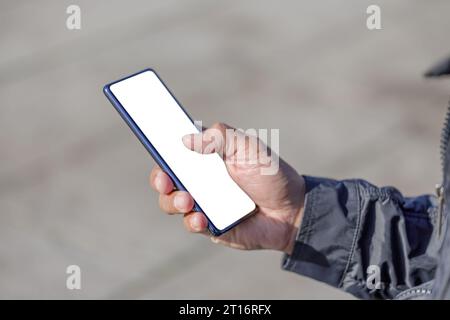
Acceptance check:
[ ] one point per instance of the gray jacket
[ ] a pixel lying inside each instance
(374, 242)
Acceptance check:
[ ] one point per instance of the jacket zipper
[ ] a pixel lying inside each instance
(445, 137)
(440, 196)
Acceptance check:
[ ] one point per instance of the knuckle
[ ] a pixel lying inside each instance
(219, 126)
(163, 203)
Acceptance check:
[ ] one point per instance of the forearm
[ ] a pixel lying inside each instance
(351, 226)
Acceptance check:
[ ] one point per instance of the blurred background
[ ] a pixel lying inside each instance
(349, 102)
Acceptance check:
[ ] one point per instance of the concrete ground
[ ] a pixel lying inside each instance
(349, 102)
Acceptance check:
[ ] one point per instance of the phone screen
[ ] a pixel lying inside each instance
(163, 122)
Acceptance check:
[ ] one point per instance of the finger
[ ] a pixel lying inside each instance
(176, 202)
(160, 181)
(155, 170)
(210, 140)
(196, 222)
(228, 142)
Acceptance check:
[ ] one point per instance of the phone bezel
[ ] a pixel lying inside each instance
(155, 154)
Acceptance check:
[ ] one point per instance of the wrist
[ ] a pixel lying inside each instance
(296, 220)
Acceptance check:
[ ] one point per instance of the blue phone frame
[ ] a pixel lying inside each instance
(153, 152)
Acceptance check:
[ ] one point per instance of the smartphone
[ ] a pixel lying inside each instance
(159, 122)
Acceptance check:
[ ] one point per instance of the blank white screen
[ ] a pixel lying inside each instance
(164, 123)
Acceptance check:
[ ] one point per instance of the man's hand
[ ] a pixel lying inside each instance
(279, 196)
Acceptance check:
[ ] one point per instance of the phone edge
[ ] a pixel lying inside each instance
(155, 154)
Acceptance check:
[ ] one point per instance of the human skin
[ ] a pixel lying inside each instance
(279, 196)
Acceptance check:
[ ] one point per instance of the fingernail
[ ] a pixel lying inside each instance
(180, 202)
(187, 139)
(158, 182)
(196, 224)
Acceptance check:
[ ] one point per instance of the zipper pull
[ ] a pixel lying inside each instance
(440, 195)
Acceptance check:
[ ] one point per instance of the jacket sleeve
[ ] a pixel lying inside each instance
(371, 242)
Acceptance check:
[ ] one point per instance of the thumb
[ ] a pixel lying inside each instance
(211, 140)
